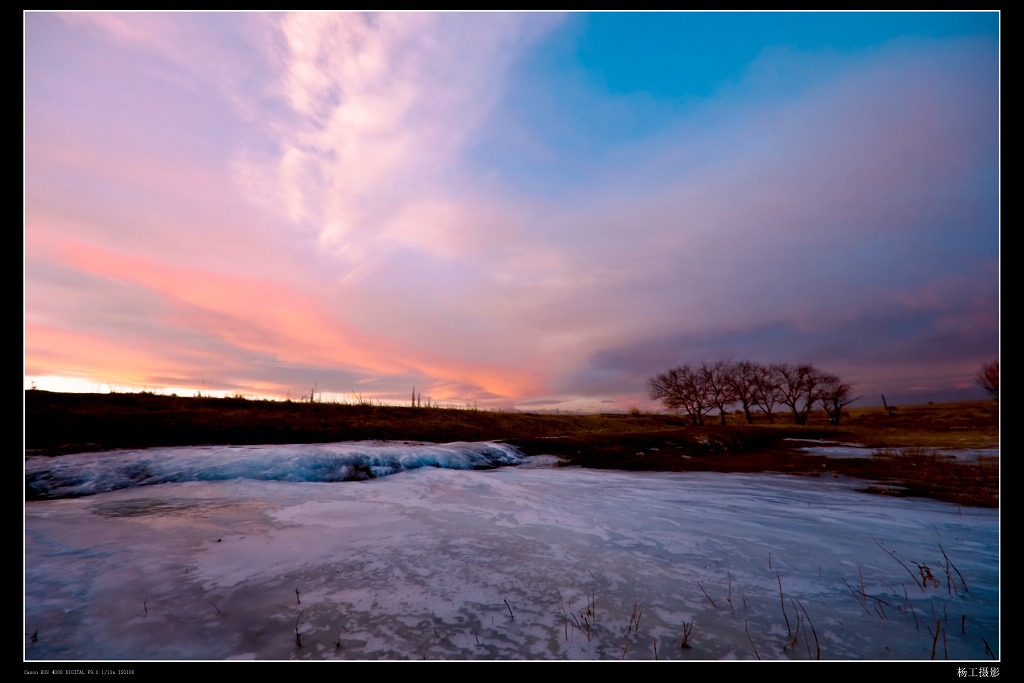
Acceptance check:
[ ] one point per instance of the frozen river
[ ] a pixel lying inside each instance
(260, 553)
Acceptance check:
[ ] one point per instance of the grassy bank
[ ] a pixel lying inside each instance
(63, 423)
(56, 422)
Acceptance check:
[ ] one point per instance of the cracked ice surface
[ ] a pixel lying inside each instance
(516, 563)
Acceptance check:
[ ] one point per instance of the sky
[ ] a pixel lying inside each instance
(533, 211)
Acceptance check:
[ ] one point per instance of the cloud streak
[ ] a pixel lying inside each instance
(388, 200)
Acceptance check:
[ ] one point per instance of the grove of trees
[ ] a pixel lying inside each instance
(700, 390)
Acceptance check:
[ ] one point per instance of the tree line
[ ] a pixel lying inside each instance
(699, 390)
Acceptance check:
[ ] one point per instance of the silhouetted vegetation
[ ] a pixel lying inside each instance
(988, 378)
(697, 389)
(57, 423)
(64, 422)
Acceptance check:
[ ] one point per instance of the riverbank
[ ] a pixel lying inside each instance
(912, 464)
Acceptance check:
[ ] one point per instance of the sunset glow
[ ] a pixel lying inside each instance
(509, 210)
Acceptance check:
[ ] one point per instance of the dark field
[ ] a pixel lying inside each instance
(907, 461)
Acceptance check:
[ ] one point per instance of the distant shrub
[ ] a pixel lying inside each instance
(988, 378)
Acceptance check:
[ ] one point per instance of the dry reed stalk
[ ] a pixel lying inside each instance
(796, 635)
(893, 556)
(852, 592)
(911, 605)
(585, 628)
(706, 595)
(687, 632)
(782, 602)
(634, 620)
(950, 562)
(751, 640)
(879, 610)
(299, 621)
(561, 606)
(813, 632)
(926, 574)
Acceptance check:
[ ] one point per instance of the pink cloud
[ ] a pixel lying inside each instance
(385, 105)
(317, 199)
(282, 322)
(51, 350)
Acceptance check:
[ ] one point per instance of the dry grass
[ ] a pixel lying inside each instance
(966, 424)
(930, 473)
(62, 423)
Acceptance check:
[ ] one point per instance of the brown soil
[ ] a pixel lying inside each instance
(57, 423)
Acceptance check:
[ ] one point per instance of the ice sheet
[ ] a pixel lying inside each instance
(513, 563)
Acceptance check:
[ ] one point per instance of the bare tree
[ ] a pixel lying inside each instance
(715, 377)
(696, 390)
(835, 395)
(988, 378)
(800, 388)
(742, 378)
(682, 388)
(664, 387)
(667, 387)
(767, 389)
(698, 393)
